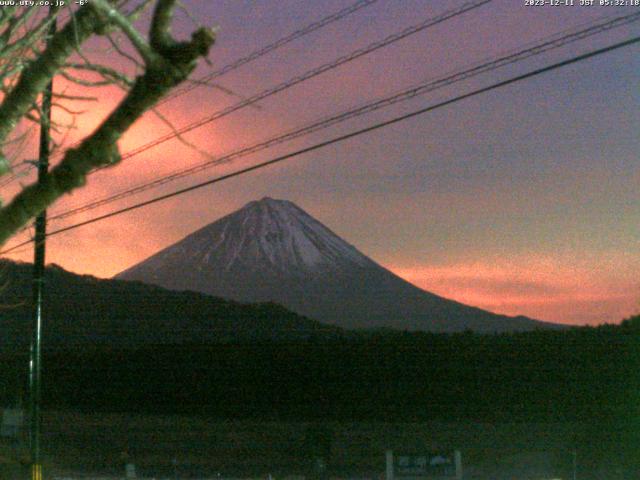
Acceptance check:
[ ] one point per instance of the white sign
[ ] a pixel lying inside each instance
(130, 470)
(423, 465)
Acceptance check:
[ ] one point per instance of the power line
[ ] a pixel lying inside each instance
(312, 73)
(271, 47)
(341, 138)
(300, 78)
(306, 76)
(301, 32)
(432, 21)
(552, 42)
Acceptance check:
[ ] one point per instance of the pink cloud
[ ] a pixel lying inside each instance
(548, 288)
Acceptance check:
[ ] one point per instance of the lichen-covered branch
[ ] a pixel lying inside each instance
(38, 73)
(171, 63)
(105, 8)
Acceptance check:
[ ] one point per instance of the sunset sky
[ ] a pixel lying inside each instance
(522, 201)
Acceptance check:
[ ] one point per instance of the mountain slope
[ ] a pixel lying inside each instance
(271, 250)
(82, 310)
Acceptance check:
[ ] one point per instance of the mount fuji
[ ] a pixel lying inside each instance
(273, 251)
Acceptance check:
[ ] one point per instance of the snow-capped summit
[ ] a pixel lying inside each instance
(266, 235)
(272, 250)
(274, 234)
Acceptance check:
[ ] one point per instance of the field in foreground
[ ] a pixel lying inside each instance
(162, 446)
(515, 404)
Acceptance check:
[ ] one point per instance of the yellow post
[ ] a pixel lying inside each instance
(36, 471)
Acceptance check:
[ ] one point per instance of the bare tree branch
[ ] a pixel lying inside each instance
(37, 75)
(138, 41)
(169, 64)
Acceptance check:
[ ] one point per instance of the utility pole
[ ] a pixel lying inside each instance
(38, 277)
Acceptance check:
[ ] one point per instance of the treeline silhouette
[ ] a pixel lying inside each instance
(112, 346)
(587, 377)
(579, 374)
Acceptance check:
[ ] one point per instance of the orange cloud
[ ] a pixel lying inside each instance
(548, 288)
